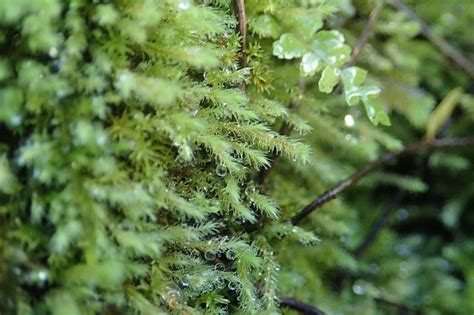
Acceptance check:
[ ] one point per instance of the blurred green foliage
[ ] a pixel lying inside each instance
(130, 149)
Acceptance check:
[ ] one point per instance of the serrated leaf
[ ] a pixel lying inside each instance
(442, 112)
(329, 79)
(288, 47)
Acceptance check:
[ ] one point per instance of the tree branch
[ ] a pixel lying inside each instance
(301, 307)
(379, 224)
(240, 4)
(445, 48)
(374, 15)
(411, 148)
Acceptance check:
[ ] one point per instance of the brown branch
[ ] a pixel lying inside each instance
(374, 15)
(378, 225)
(299, 306)
(362, 40)
(445, 48)
(341, 186)
(240, 4)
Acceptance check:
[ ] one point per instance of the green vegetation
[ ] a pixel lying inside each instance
(156, 160)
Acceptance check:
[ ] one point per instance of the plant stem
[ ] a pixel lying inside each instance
(374, 14)
(353, 179)
(299, 306)
(379, 224)
(240, 4)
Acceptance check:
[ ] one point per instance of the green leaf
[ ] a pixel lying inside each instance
(376, 112)
(327, 49)
(266, 26)
(352, 78)
(442, 112)
(288, 47)
(329, 79)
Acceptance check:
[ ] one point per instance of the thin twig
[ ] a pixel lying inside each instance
(445, 48)
(341, 186)
(374, 14)
(379, 224)
(299, 306)
(243, 29)
(362, 40)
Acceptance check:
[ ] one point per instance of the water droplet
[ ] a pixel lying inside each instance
(402, 214)
(61, 94)
(402, 250)
(232, 286)
(53, 52)
(221, 170)
(184, 4)
(184, 285)
(230, 254)
(219, 267)
(173, 293)
(373, 268)
(446, 265)
(277, 268)
(210, 255)
(358, 288)
(250, 190)
(16, 120)
(40, 277)
(349, 120)
(101, 140)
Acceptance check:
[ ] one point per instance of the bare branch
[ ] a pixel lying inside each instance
(299, 306)
(374, 15)
(445, 48)
(242, 28)
(411, 148)
(378, 225)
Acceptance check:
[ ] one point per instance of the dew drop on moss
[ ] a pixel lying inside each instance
(210, 255)
(219, 267)
(232, 286)
(230, 254)
(221, 170)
